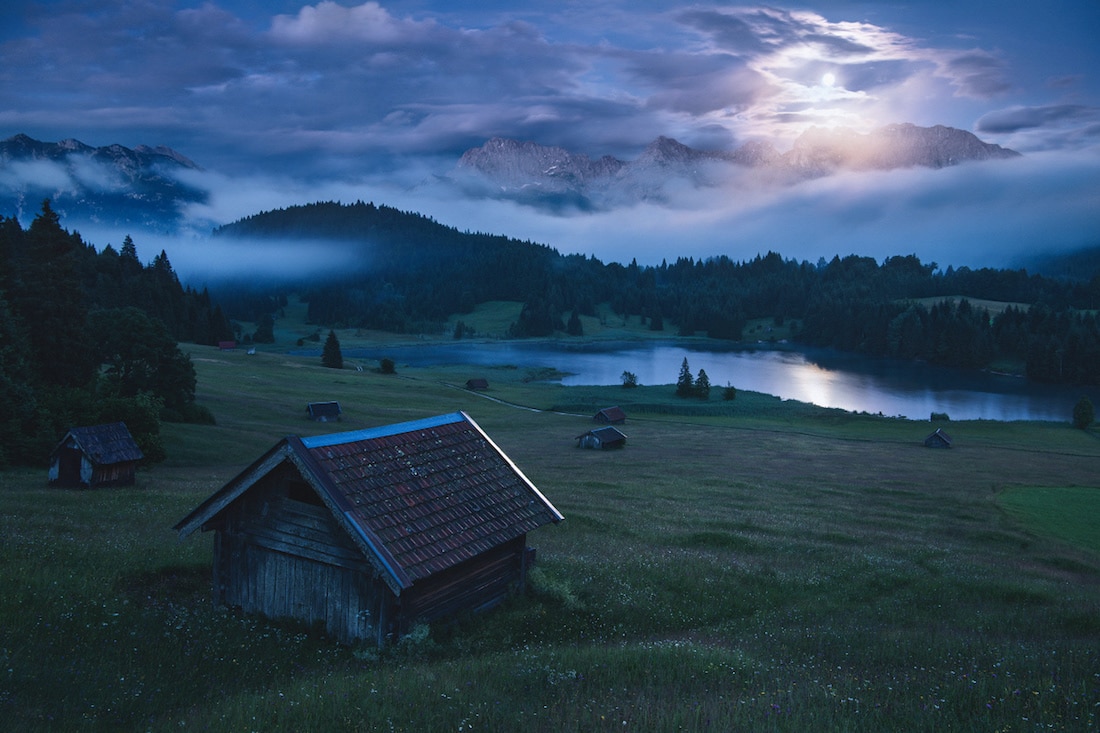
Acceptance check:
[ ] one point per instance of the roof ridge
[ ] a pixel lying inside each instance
(353, 436)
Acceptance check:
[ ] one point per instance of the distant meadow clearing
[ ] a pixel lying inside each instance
(749, 564)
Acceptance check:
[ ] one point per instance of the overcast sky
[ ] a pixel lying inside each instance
(282, 102)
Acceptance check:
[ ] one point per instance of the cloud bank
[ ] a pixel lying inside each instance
(288, 103)
(996, 213)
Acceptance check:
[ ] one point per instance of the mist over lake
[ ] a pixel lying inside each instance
(820, 376)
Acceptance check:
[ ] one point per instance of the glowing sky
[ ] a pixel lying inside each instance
(282, 102)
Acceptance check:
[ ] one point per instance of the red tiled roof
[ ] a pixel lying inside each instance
(434, 492)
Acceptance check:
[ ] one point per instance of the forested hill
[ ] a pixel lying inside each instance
(416, 272)
(413, 271)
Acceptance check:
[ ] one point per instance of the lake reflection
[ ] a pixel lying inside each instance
(822, 377)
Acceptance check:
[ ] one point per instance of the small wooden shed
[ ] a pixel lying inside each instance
(602, 438)
(610, 416)
(324, 411)
(369, 532)
(478, 384)
(95, 456)
(938, 439)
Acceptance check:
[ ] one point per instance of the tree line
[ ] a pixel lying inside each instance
(416, 272)
(89, 337)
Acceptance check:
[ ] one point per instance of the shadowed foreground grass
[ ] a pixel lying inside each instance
(757, 565)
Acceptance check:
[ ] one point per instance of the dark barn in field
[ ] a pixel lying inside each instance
(370, 532)
(938, 439)
(610, 416)
(602, 438)
(95, 456)
(324, 411)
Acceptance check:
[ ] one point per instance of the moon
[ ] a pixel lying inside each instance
(828, 79)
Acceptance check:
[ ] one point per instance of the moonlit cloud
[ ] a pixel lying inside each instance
(977, 74)
(290, 102)
(1030, 118)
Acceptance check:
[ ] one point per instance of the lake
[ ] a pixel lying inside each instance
(819, 376)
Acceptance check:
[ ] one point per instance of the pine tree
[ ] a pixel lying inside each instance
(128, 258)
(52, 303)
(702, 386)
(685, 385)
(331, 355)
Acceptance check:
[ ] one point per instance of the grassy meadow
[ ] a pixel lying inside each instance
(740, 566)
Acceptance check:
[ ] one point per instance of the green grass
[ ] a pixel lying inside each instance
(1069, 513)
(488, 320)
(993, 307)
(750, 565)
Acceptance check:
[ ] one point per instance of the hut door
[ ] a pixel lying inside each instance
(68, 467)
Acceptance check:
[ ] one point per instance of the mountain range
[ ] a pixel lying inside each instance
(553, 176)
(142, 187)
(113, 184)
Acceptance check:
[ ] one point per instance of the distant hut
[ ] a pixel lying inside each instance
(610, 416)
(369, 532)
(324, 411)
(602, 438)
(938, 439)
(478, 384)
(95, 456)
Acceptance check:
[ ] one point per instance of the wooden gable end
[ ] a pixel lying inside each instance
(280, 552)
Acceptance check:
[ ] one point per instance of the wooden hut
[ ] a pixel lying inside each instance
(938, 439)
(369, 532)
(478, 384)
(95, 456)
(602, 438)
(610, 416)
(324, 411)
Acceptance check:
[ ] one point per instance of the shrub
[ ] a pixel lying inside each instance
(552, 589)
(386, 366)
(1084, 414)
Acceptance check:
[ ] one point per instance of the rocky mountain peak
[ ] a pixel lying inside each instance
(666, 151)
(820, 151)
(513, 166)
(515, 163)
(129, 185)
